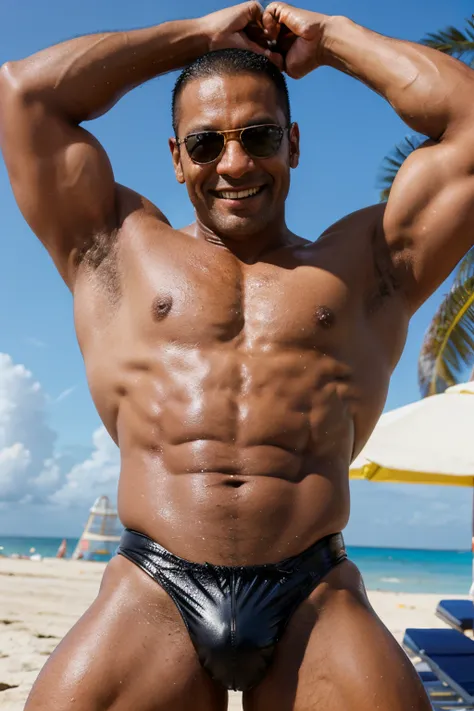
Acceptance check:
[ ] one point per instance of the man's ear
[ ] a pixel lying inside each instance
(294, 138)
(176, 155)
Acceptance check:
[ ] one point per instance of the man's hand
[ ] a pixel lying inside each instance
(240, 27)
(298, 35)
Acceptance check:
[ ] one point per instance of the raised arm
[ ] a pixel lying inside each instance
(428, 221)
(60, 174)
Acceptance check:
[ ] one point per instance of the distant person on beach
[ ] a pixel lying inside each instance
(62, 550)
(238, 366)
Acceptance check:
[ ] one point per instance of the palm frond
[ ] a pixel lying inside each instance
(453, 41)
(465, 269)
(448, 346)
(393, 162)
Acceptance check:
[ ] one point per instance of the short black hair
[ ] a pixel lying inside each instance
(230, 61)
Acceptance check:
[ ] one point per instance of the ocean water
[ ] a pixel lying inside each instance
(397, 569)
(444, 572)
(46, 547)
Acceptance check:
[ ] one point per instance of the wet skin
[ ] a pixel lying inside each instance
(240, 379)
(239, 368)
(237, 388)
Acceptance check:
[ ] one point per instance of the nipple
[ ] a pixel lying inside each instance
(161, 306)
(325, 316)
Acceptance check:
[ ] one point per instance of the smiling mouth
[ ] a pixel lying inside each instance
(237, 194)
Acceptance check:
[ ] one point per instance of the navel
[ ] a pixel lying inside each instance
(325, 317)
(161, 306)
(234, 483)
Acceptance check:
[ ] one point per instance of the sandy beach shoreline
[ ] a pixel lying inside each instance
(41, 600)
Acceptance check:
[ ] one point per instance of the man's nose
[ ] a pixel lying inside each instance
(234, 161)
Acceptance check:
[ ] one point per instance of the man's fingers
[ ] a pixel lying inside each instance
(274, 57)
(255, 12)
(274, 11)
(279, 13)
(270, 21)
(270, 25)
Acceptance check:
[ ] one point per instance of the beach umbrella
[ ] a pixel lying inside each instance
(430, 441)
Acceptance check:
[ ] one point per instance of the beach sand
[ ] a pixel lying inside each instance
(41, 600)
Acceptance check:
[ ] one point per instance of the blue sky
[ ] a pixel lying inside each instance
(346, 131)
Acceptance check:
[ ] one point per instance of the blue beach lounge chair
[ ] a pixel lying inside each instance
(458, 614)
(450, 655)
(441, 696)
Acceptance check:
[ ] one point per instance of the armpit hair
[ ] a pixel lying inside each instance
(387, 282)
(99, 256)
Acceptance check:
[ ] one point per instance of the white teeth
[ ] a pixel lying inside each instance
(238, 194)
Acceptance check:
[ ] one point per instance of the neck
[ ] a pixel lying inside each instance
(251, 249)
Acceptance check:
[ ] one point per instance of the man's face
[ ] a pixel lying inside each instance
(228, 102)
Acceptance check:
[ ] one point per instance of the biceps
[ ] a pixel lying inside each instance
(429, 219)
(61, 177)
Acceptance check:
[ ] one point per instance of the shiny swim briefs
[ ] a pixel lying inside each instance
(235, 615)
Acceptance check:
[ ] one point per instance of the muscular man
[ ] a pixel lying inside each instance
(238, 366)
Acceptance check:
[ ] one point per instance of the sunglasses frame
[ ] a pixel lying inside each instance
(232, 134)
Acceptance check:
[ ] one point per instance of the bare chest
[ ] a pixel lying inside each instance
(208, 296)
(200, 294)
(190, 316)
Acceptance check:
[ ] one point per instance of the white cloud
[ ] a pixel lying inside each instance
(26, 440)
(93, 477)
(32, 471)
(14, 464)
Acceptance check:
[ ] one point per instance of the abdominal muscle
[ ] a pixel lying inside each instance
(203, 518)
(232, 460)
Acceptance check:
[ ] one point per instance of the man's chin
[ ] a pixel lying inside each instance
(237, 227)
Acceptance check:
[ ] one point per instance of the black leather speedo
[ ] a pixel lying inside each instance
(235, 615)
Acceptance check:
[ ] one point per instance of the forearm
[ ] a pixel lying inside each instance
(429, 90)
(84, 77)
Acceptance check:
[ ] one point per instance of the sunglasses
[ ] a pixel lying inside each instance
(261, 141)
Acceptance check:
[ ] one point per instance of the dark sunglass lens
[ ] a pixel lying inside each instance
(204, 147)
(262, 141)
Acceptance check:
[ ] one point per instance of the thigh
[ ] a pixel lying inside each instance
(336, 655)
(130, 650)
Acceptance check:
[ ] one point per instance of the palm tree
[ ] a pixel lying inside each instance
(448, 346)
